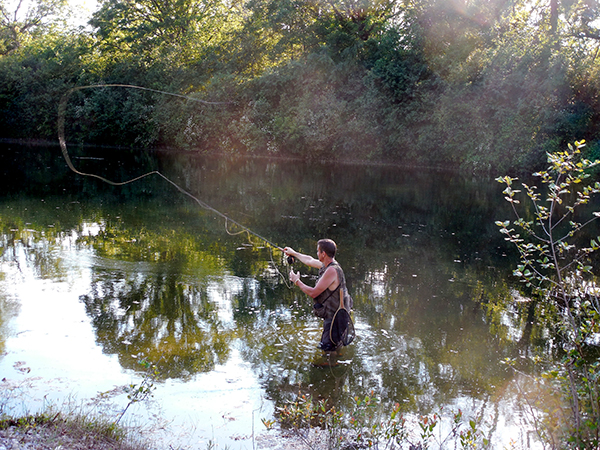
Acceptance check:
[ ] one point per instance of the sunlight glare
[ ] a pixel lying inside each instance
(80, 10)
(83, 10)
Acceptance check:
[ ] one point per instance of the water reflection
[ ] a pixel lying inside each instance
(164, 281)
(159, 317)
(9, 308)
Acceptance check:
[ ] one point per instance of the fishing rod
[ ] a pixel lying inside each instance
(62, 108)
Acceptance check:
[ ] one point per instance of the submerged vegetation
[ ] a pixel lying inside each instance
(469, 84)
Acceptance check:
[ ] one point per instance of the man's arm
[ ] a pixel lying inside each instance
(305, 259)
(328, 278)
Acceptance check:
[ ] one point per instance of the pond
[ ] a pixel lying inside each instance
(96, 279)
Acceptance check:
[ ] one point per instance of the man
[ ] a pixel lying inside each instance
(326, 292)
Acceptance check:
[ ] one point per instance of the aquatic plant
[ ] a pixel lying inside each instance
(139, 392)
(366, 426)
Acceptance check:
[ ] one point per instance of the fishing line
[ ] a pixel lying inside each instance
(62, 108)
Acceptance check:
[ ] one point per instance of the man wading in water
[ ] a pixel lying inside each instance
(326, 292)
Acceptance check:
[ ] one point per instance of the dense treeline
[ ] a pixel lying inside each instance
(473, 84)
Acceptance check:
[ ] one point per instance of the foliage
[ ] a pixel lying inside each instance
(140, 392)
(35, 78)
(545, 266)
(478, 85)
(364, 426)
(18, 27)
(556, 267)
(57, 428)
(174, 32)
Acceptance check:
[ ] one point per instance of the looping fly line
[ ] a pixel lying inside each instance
(62, 108)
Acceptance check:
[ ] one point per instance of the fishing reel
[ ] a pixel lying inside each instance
(291, 260)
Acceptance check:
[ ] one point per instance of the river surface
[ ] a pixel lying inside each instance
(98, 281)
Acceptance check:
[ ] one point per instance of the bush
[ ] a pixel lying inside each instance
(556, 269)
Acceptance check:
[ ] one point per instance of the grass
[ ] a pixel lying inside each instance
(71, 430)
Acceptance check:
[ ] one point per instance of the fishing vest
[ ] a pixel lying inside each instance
(327, 302)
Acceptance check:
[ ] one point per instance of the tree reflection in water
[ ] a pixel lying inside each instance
(158, 317)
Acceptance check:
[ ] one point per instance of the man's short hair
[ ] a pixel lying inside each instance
(327, 246)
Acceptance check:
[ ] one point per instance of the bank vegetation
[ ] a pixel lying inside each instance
(479, 84)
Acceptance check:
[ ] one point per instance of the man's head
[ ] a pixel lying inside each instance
(327, 246)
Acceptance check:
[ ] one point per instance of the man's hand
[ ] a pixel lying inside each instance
(304, 259)
(294, 276)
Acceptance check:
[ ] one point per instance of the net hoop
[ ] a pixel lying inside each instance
(341, 331)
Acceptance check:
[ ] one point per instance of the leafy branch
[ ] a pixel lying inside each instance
(560, 274)
(139, 392)
(547, 255)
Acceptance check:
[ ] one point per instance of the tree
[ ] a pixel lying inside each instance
(557, 270)
(18, 25)
(148, 28)
(290, 29)
(583, 19)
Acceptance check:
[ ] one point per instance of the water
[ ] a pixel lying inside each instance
(95, 279)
